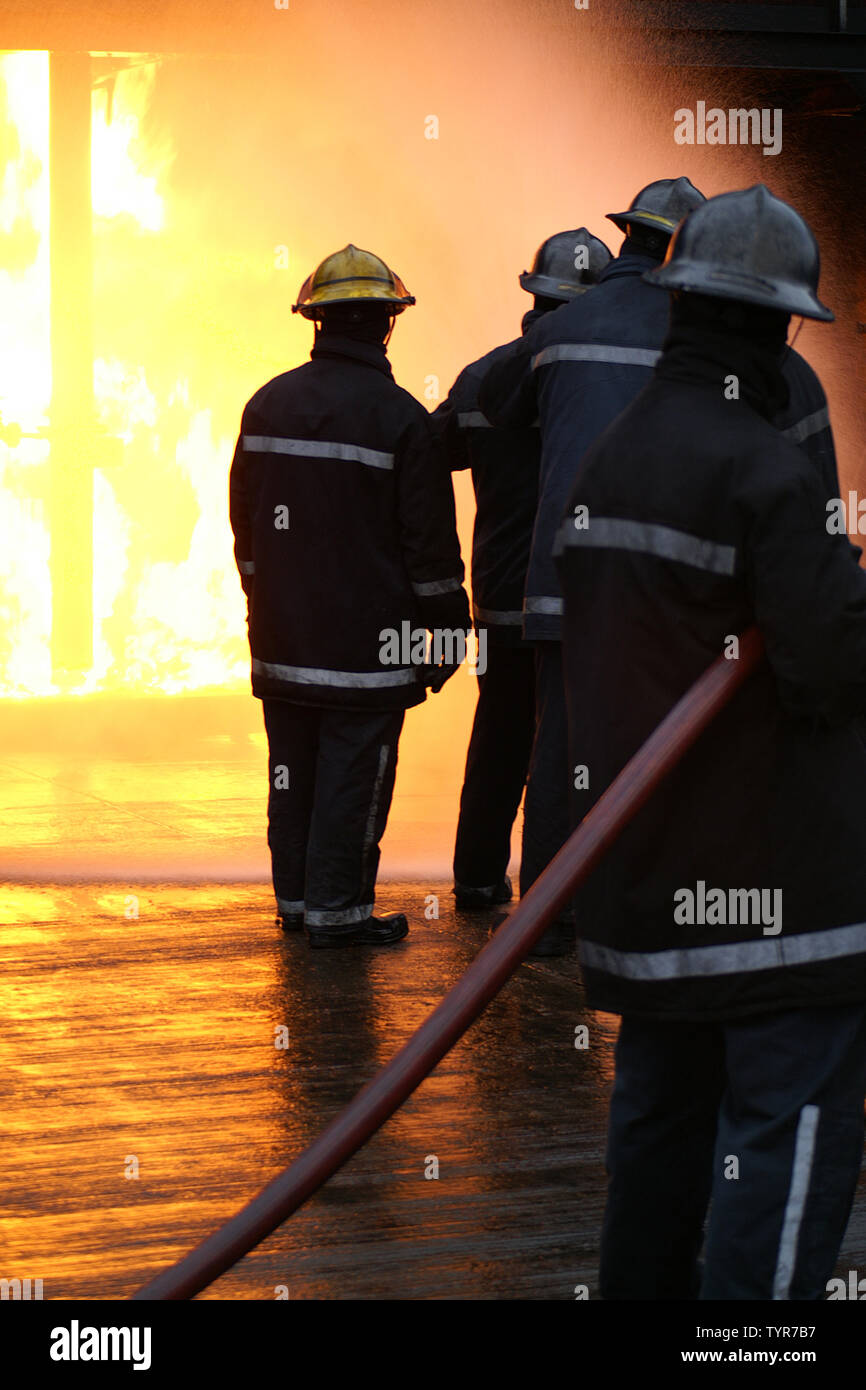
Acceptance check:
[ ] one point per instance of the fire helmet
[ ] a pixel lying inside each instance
(566, 265)
(351, 276)
(660, 206)
(749, 246)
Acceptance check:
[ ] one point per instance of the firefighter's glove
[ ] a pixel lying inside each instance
(436, 676)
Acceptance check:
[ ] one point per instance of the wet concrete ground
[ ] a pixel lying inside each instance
(168, 788)
(153, 1039)
(147, 1044)
(138, 1018)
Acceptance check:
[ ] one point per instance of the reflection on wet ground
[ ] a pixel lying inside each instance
(140, 1027)
(147, 1042)
(175, 787)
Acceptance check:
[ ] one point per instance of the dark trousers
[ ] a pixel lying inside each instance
(331, 781)
(496, 765)
(546, 814)
(761, 1120)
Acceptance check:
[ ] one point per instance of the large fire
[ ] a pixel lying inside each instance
(167, 616)
(216, 185)
(165, 604)
(25, 377)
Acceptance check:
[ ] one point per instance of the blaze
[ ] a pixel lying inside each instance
(216, 181)
(25, 376)
(169, 615)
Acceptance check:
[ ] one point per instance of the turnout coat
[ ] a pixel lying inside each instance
(576, 370)
(702, 520)
(504, 465)
(343, 516)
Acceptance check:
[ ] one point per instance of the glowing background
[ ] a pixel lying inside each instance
(204, 168)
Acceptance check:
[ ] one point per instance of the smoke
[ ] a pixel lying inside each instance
(451, 140)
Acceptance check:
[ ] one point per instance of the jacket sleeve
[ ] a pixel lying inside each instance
(428, 528)
(806, 423)
(810, 600)
(240, 519)
(452, 436)
(508, 391)
(806, 420)
(820, 447)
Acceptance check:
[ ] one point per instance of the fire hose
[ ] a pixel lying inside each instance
(490, 969)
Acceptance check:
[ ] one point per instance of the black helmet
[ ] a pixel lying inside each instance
(558, 272)
(661, 205)
(748, 246)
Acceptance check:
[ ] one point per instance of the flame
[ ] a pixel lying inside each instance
(119, 185)
(202, 170)
(25, 375)
(172, 623)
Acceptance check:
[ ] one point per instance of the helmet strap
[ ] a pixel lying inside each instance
(646, 240)
(364, 321)
(789, 346)
(543, 303)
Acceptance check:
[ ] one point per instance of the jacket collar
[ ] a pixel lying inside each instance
(333, 345)
(628, 263)
(703, 358)
(529, 318)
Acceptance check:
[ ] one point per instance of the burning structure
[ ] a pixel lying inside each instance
(171, 174)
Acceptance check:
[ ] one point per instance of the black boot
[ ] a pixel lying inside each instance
(556, 940)
(477, 899)
(376, 931)
(291, 921)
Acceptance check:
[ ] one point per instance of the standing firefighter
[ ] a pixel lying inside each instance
(728, 923)
(504, 464)
(345, 538)
(573, 373)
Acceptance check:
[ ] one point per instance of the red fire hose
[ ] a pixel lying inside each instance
(485, 976)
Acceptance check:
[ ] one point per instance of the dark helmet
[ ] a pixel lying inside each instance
(660, 206)
(559, 271)
(748, 246)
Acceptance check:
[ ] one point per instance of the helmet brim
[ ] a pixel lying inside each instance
(315, 310)
(550, 287)
(703, 278)
(362, 285)
(643, 219)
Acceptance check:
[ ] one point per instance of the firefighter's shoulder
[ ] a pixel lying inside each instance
(278, 386)
(464, 393)
(770, 471)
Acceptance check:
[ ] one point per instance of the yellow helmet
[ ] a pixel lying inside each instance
(348, 276)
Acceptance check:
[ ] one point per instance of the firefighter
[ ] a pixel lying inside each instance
(504, 466)
(573, 372)
(346, 543)
(726, 925)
